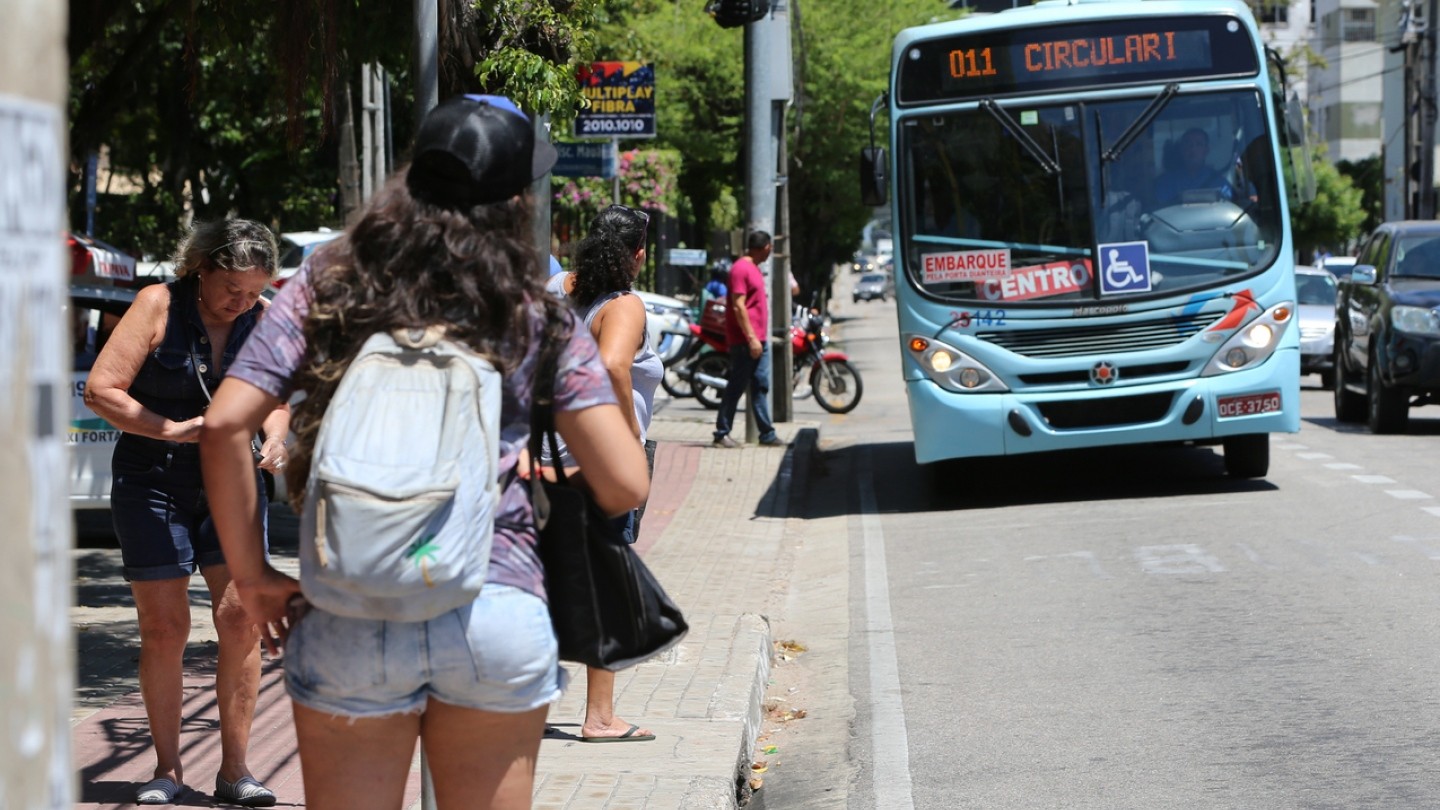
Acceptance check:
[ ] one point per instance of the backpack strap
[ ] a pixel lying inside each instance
(418, 338)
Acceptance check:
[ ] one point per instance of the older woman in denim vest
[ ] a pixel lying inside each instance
(153, 381)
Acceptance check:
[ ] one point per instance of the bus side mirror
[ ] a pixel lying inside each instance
(872, 176)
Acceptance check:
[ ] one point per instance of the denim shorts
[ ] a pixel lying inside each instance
(161, 515)
(497, 654)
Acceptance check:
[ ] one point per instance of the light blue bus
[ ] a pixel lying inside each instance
(1092, 239)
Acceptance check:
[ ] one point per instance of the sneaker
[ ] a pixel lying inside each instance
(773, 441)
(725, 441)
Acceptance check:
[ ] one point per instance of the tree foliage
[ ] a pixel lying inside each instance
(1333, 219)
(1368, 175)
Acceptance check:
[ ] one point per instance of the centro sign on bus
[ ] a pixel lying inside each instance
(621, 98)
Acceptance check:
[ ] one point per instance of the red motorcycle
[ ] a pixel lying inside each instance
(828, 374)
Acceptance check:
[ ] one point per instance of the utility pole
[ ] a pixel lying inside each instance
(426, 58)
(36, 771)
(1425, 193)
(768, 90)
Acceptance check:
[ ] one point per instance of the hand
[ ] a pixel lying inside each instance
(756, 348)
(274, 603)
(187, 431)
(273, 455)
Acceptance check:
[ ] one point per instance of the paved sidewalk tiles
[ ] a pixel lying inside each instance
(714, 519)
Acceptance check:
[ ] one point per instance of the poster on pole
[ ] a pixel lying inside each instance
(621, 100)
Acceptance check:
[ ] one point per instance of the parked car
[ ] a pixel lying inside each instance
(294, 247)
(870, 287)
(1316, 290)
(1338, 266)
(1387, 327)
(93, 312)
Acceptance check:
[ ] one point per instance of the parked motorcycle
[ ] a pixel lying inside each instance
(827, 374)
(704, 353)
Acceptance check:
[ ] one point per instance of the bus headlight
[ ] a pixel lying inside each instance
(1415, 320)
(951, 368)
(1253, 343)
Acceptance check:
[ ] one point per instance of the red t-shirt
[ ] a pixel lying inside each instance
(746, 280)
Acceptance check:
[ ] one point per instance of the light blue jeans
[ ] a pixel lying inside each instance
(497, 654)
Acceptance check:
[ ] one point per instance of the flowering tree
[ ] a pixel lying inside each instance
(647, 180)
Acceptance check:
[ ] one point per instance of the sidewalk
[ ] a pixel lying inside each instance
(712, 531)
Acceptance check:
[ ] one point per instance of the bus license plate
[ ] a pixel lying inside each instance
(1248, 405)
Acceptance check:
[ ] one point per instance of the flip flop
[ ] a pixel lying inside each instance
(628, 736)
(245, 791)
(158, 791)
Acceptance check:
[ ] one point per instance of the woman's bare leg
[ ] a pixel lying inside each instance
(164, 608)
(600, 719)
(355, 764)
(480, 760)
(237, 672)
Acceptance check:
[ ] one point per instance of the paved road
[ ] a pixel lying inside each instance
(1123, 628)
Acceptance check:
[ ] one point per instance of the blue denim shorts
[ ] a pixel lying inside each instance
(497, 654)
(161, 514)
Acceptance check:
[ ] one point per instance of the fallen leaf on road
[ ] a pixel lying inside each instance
(770, 749)
(756, 783)
(759, 766)
(791, 646)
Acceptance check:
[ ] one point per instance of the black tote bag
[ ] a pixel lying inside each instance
(608, 610)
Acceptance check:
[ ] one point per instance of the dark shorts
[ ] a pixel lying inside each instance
(161, 515)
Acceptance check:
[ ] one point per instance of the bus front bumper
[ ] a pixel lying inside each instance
(950, 425)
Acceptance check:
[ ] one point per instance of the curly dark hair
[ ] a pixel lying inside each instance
(409, 263)
(605, 258)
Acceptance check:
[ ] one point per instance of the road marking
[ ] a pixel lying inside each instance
(1407, 494)
(1368, 559)
(1342, 465)
(889, 739)
(1434, 510)
(1291, 446)
(1429, 552)
(1088, 556)
(1182, 558)
(1373, 479)
(1313, 456)
(1255, 557)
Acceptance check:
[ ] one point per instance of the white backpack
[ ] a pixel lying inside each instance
(403, 488)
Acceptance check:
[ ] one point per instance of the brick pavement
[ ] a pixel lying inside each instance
(715, 518)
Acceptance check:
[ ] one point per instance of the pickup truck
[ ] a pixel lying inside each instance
(1387, 327)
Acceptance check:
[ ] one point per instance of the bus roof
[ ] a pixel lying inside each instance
(1045, 13)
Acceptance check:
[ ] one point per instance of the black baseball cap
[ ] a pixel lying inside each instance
(475, 150)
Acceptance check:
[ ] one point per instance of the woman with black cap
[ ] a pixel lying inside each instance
(446, 241)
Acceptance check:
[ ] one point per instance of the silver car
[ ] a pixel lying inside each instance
(870, 287)
(1316, 292)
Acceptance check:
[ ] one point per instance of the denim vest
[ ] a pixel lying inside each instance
(166, 384)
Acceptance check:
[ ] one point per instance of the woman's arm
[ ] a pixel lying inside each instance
(236, 413)
(107, 389)
(612, 461)
(619, 329)
(275, 430)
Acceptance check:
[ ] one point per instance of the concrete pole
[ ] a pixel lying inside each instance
(426, 58)
(767, 90)
(1425, 193)
(36, 582)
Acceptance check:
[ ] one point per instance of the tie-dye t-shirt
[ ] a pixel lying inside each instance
(271, 357)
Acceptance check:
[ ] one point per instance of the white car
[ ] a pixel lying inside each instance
(295, 246)
(1316, 293)
(94, 310)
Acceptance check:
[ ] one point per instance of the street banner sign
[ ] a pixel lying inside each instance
(687, 257)
(621, 99)
(586, 160)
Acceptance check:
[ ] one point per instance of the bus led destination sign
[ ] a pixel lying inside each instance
(1091, 54)
(1068, 54)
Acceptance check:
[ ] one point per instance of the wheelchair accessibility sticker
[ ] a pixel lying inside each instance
(1124, 267)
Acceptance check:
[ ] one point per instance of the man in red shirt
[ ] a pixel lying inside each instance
(746, 325)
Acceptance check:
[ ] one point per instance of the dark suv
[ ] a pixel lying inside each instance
(1387, 330)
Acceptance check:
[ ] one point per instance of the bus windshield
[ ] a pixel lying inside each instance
(1018, 203)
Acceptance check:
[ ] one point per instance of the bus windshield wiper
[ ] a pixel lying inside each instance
(1013, 128)
(1140, 123)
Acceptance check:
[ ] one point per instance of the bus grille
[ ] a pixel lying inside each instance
(1108, 412)
(1076, 341)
